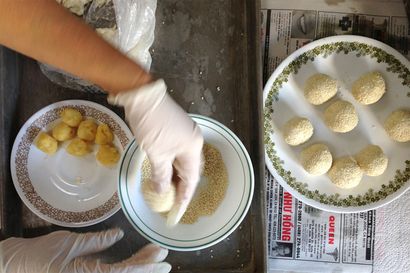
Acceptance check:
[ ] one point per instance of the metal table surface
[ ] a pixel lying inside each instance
(209, 56)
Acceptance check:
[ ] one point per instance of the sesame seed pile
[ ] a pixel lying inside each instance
(209, 194)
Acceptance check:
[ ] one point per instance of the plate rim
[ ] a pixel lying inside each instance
(243, 214)
(267, 88)
(17, 141)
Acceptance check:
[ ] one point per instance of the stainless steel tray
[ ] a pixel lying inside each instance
(209, 54)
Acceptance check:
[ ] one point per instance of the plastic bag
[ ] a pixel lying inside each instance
(127, 24)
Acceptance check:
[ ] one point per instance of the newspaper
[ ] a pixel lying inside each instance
(315, 240)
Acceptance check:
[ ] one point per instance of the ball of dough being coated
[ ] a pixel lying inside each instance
(78, 147)
(297, 131)
(345, 173)
(320, 88)
(63, 132)
(372, 160)
(369, 88)
(397, 125)
(71, 117)
(158, 202)
(107, 155)
(87, 130)
(316, 159)
(46, 143)
(103, 135)
(341, 117)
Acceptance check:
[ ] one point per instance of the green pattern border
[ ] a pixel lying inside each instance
(360, 49)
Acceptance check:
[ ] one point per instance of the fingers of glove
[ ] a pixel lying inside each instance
(81, 265)
(94, 242)
(148, 254)
(161, 173)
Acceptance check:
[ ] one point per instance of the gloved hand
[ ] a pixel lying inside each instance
(169, 137)
(64, 252)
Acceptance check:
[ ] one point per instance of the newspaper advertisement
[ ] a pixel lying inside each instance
(315, 240)
(285, 30)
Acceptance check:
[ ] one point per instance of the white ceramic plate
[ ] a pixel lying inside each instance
(63, 189)
(209, 230)
(344, 58)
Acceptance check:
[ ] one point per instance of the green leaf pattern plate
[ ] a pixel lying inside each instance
(344, 58)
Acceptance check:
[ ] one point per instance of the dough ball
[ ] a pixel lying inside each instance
(372, 160)
(87, 130)
(63, 132)
(345, 173)
(71, 117)
(297, 131)
(320, 88)
(316, 159)
(108, 155)
(103, 135)
(369, 88)
(158, 202)
(46, 143)
(341, 117)
(78, 147)
(397, 125)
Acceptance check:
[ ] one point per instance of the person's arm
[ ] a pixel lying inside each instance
(45, 31)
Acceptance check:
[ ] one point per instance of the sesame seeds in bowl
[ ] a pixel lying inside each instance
(209, 226)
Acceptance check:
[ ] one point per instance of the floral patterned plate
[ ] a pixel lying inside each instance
(63, 189)
(344, 58)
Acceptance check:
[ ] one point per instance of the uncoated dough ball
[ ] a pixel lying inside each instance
(103, 135)
(63, 132)
(71, 117)
(87, 130)
(46, 143)
(397, 125)
(316, 159)
(297, 131)
(78, 147)
(320, 88)
(345, 173)
(107, 155)
(341, 117)
(158, 202)
(369, 88)
(372, 160)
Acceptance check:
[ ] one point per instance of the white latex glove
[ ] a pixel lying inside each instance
(169, 137)
(64, 252)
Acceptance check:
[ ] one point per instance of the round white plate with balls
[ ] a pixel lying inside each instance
(208, 230)
(63, 189)
(344, 58)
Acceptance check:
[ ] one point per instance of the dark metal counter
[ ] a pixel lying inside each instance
(209, 55)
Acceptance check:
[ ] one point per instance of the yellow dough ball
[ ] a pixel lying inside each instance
(372, 160)
(63, 132)
(103, 135)
(158, 202)
(345, 173)
(341, 117)
(46, 143)
(316, 159)
(87, 130)
(397, 125)
(297, 131)
(320, 88)
(71, 117)
(369, 88)
(107, 155)
(78, 147)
